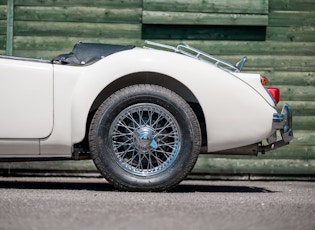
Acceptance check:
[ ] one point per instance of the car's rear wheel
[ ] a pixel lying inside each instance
(144, 138)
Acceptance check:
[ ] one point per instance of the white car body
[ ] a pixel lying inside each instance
(45, 106)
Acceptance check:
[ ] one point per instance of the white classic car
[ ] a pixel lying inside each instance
(142, 114)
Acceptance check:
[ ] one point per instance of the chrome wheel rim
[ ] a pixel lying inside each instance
(146, 139)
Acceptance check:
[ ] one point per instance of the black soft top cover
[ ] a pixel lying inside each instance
(87, 53)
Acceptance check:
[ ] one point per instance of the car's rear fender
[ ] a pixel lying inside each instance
(244, 116)
(254, 81)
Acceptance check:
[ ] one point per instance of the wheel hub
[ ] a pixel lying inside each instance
(144, 138)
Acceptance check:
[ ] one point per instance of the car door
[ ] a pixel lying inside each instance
(26, 100)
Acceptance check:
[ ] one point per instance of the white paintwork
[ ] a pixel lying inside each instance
(26, 99)
(237, 108)
(20, 147)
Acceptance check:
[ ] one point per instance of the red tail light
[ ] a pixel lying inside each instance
(264, 80)
(275, 93)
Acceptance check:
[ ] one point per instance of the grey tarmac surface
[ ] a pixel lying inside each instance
(91, 203)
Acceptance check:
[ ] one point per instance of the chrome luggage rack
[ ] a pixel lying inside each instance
(200, 55)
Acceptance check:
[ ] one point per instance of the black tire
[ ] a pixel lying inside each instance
(144, 138)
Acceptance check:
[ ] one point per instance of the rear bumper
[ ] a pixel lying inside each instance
(282, 122)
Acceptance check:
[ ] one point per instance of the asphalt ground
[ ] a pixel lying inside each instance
(91, 203)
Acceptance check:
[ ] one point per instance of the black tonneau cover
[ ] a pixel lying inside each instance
(87, 53)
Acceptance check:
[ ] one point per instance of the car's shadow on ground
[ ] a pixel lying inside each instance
(219, 188)
(104, 186)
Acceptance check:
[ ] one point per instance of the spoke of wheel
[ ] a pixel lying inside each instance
(122, 154)
(156, 122)
(131, 118)
(150, 165)
(163, 137)
(140, 165)
(150, 117)
(169, 144)
(166, 154)
(140, 115)
(120, 123)
(158, 159)
(163, 128)
(118, 144)
(134, 155)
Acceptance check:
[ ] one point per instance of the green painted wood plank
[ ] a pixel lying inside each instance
(304, 138)
(208, 6)
(108, 30)
(289, 63)
(293, 151)
(2, 41)
(297, 93)
(275, 62)
(78, 14)
(293, 34)
(260, 47)
(301, 108)
(304, 122)
(290, 78)
(203, 32)
(98, 3)
(57, 166)
(270, 167)
(3, 27)
(250, 47)
(184, 18)
(292, 5)
(3, 12)
(291, 18)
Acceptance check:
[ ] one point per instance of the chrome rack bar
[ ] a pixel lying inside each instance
(160, 46)
(200, 55)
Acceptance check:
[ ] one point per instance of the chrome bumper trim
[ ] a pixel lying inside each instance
(278, 121)
(282, 122)
(286, 130)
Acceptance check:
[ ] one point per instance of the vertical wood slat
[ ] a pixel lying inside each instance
(10, 16)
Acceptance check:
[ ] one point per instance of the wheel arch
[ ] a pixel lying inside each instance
(155, 79)
(145, 78)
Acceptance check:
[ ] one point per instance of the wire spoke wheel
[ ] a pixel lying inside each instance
(146, 139)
